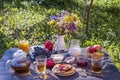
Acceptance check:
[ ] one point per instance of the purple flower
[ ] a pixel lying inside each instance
(53, 18)
(58, 17)
(72, 27)
(64, 27)
(63, 13)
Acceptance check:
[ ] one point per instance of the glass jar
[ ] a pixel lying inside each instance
(96, 65)
(75, 49)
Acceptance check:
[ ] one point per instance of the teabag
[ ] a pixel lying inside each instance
(19, 58)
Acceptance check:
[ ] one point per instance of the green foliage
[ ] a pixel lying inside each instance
(27, 19)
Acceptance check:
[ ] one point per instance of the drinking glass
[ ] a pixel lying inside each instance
(82, 61)
(40, 65)
(96, 65)
(24, 45)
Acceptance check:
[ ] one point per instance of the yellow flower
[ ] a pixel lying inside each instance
(75, 18)
(68, 19)
(52, 22)
(78, 23)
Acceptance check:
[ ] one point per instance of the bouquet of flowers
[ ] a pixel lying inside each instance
(65, 22)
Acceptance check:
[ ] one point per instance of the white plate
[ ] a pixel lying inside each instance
(53, 70)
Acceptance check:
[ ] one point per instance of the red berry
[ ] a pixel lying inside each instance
(49, 45)
(82, 63)
(92, 50)
(62, 67)
(50, 63)
(88, 48)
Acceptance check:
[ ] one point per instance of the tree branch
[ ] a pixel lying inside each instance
(87, 18)
(84, 12)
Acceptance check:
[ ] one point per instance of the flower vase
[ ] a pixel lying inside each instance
(60, 44)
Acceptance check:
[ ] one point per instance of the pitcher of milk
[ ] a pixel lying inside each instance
(75, 49)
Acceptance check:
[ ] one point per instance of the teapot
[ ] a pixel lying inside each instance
(20, 63)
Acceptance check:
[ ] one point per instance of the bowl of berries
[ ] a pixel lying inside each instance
(38, 50)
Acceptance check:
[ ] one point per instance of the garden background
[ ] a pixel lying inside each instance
(27, 19)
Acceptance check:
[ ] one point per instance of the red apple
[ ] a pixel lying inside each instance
(49, 45)
(91, 49)
(50, 63)
(98, 47)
